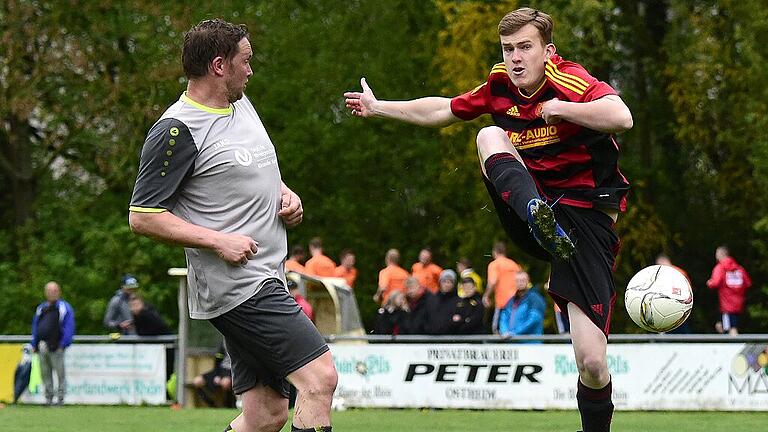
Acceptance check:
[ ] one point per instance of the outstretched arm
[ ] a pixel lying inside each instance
(608, 114)
(431, 111)
(235, 249)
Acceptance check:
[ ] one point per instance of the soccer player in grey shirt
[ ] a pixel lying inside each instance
(209, 181)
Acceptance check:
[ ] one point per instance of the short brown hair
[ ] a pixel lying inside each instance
(393, 256)
(316, 243)
(207, 40)
(518, 18)
(500, 248)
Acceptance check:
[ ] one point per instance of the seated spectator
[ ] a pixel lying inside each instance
(468, 315)
(418, 298)
(217, 379)
(464, 269)
(146, 319)
(148, 322)
(117, 317)
(293, 289)
(524, 314)
(391, 278)
(294, 262)
(442, 306)
(392, 314)
(319, 264)
(347, 268)
(426, 271)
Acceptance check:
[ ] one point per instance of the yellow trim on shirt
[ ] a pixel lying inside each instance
(220, 111)
(534, 92)
(564, 84)
(579, 82)
(138, 209)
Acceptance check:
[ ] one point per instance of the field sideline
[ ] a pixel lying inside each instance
(164, 419)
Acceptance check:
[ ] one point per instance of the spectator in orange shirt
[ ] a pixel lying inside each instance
(427, 272)
(319, 264)
(501, 281)
(293, 263)
(391, 278)
(347, 268)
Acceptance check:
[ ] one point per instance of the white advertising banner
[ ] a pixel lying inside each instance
(110, 374)
(659, 376)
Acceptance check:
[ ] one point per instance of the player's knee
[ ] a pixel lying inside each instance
(322, 384)
(593, 368)
(492, 140)
(489, 136)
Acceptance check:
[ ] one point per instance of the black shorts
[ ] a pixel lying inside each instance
(268, 337)
(586, 279)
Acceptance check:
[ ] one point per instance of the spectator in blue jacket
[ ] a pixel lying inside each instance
(524, 315)
(53, 328)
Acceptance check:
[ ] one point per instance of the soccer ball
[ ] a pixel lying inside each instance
(659, 298)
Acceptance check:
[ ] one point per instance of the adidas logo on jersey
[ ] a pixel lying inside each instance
(513, 111)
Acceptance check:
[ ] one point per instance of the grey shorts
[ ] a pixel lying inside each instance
(268, 337)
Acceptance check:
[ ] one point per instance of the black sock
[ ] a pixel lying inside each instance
(595, 407)
(314, 429)
(512, 181)
(229, 428)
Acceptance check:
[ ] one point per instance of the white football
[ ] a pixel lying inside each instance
(659, 298)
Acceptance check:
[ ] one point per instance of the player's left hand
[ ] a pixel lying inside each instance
(291, 210)
(549, 111)
(361, 103)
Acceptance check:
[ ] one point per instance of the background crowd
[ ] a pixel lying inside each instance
(433, 300)
(428, 299)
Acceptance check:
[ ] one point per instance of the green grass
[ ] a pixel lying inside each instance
(142, 419)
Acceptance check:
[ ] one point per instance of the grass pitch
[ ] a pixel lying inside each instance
(164, 419)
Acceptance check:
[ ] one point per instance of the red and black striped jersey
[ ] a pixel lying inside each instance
(566, 160)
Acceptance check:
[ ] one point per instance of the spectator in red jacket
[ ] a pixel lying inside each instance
(731, 282)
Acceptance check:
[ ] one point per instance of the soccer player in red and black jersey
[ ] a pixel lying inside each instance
(551, 167)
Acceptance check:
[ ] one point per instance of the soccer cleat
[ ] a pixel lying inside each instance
(546, 230)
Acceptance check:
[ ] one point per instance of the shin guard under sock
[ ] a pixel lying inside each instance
(512, 181)
(595, 407)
